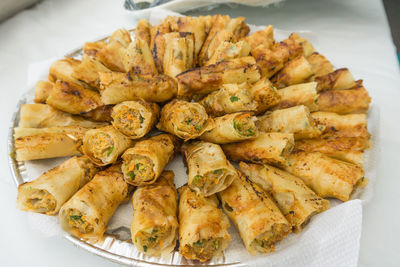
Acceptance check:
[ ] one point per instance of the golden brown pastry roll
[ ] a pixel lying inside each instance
(337, 80)
(328, 177)
(264, 94)
(258, 219)
(355, 100)
(228, 50)
(104, 145)
(263, 37)
(320, 66)
(44, 143)
(154, 228)
(135, 118)
(231, 128)
(297, 202)
(184, 119)
(203, 228)
(230, 98)
(91, 49)
(266, 148)
(88, 71)
(137, 58)
(336, 125)
(42, 91)
(208, 169)
(100, 114)
(296, 120)
(44, 116)
(63, 70)
(296, 71)
(72, 98)
(307, 47)
(298, 94)
(52, 189)
(118, 87)
(87, 213)
(144, 162)
(143, 31)
(204, 80)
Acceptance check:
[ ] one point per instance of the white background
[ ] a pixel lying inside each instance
(353, 33)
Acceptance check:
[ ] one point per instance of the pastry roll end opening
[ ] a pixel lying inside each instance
(36, 200)
(138, 168)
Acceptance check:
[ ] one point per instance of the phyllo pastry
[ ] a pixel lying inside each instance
(297, 202)
(228, 50)
(88, 71)
(63, 70)
(42, 91)
(135, 118)
(263, 37)
(264, 94)
(296, 71)
(144, 162)
(296, 120)
(336, 80)
(298, 94)
(270, 148)
(208, 169)
(258, 219)
(203, 228)
(104, 145)
(328, 177)
(231, 128)
(154, 228)
(320, 66)
(187, 120)
(52, 189)
(88, 212)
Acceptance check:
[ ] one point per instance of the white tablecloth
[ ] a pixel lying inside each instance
(355, 33)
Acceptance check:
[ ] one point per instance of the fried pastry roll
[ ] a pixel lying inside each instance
(298, 94)
(296, 120)
(91, 49)
(135, 118)
(306, 46)
(137, 58)
(320, 66)
(231, 128)
(118, 87)
(63, 70)
(42, 91)
(44, 116)
(209, 171)
(228, 50)
(184, 119)
(355, 100)
(263, 37)
(144, 162)
(336, 125)
(44, 143)
(258, 219)
(266, 148)
(328, 177)
(230, 98)
(52, 189)
(203, 228)
(204, 80)
(100, 114)
(297, 202)
(336, 80)
(154, 228)
(87, 213)
(264, 94)
(143, 31)
(104, 145)
(88, 71)
(73, 99)
(296, 71)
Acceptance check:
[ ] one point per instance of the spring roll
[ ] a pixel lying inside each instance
(296, 71)
(87, 213)
(73, 99)
(320, 66)
(119, 87)
(297, 202)
(137, 58)
(44, 116)
(263, 37)
(104, 145)
(91, 49)
(350, 125)
(307, 47)
(203, 228)
(63, 70)
(143, 31)
(100, 114)
(355, 100)
(296, 120)
(328, 177)
(336, 80)
(230, 98)
(208, 169)
(231, 128)
(53, 188)
(42, 91)
(258, 219)
(154, 228)
(144, 162)
(135, 118)
(204, 80)
(267, 148)
(88, 71)
(264, 94)
(44, 143)
(184, 119)
(157, 43)
(228, 50)
(298, 94)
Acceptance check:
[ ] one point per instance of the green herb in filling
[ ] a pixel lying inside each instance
(132, 175)
(141, 119)
(153, 239)
(234, 98)
(75, 217)
(216, 244)
(198, 243)
(196, 178)
(250, 131)
(139, 166)
(188, 121)
(145, 248)
(110, 150)
(237, 126)
(197, 127)
(219, 171)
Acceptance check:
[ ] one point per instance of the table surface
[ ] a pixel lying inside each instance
(355, 32)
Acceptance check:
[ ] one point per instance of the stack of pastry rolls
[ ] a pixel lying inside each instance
(295, 127)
